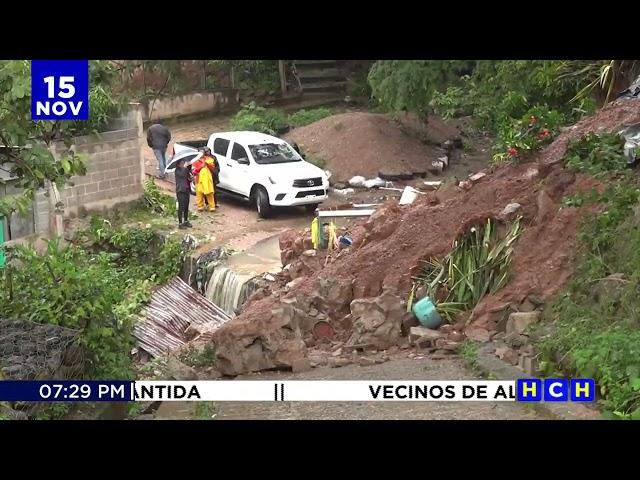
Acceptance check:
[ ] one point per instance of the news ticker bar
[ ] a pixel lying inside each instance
(521, 390)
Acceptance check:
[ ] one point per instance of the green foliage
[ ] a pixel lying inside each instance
(259, 119)
(454, 102)
(53, 411)
(410, 84)
(157, 201)
(205, 410)
(597, 153)
(516, 138)
(305, 117)
(478, 264)
(30, 160)
(97, 293)
(597, 320)
(197, 357)
(469, 351)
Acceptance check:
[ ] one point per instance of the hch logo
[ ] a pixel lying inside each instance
(556, 390)
(60, 90)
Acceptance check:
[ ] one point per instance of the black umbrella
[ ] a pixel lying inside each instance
(174, 161)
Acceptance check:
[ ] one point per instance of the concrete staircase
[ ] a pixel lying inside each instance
(320, 76)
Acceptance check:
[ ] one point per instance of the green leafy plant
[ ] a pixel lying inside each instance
(477, 265)
(597, 154)
(259, 119)
(156, 200)
(205, 410)
(98, 290)
(305, 117)
(537, 128)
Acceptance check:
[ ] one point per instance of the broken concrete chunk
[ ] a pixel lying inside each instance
(519, 322)
(420, 335)
(477, 176)
(300, 365)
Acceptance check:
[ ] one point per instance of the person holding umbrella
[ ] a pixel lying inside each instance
(183, 193)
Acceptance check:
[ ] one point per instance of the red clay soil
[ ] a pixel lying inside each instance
(396, 238)
(362, 143)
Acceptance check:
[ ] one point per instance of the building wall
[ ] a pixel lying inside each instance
(115, 174)
(221, 101)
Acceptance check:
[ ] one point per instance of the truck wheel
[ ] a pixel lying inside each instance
(261, 199)
(311, 207)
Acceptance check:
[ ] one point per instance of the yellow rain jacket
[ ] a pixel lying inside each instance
(205, 177)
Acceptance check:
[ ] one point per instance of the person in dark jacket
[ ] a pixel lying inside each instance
(183, 193)
(158, 138)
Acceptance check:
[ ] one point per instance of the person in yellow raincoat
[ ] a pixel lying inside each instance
(204, 170)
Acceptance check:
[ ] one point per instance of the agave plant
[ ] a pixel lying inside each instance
(477, 265)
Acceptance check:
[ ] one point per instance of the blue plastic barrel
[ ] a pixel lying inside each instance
(427, 314)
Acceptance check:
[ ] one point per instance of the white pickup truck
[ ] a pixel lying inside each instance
(263, 169)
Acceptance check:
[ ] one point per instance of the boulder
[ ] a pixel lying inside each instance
(377, 321)
(478, 335)
(519, 321)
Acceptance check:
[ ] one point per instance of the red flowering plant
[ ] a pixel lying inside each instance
(516, 138)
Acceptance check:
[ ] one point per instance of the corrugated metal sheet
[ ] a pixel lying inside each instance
(171, 310)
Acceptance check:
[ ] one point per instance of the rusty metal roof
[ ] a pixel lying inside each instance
(171, 310)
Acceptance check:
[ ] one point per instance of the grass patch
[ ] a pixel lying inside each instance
(469, 351)
(205, 410)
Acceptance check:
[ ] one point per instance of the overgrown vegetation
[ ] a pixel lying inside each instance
(596, 322)
(517, 137)
(469, 351)
(156, 200)
(478, 264)
(96, 286)
(260, 119)
(305, 117)
(205, 410)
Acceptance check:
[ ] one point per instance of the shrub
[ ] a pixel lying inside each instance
(260, 119)
(305, 117)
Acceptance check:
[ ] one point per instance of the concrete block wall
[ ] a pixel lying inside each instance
(115, 167)
(219, 101)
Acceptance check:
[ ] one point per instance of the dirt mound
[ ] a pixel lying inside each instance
(364, 144)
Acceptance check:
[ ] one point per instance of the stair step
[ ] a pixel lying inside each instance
(323, 86)
(321, 73)
(314, 62)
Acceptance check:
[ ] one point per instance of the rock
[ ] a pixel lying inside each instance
(420, 335)
(408, 320)
(536, 300)
(365, 361)
(337, 294)
(176, 370)
(313, 312)
(310, 253)
(339, 362)
(498, 336)
(465, 184)
(509, 209)
(526, 306)
(295, 282)
(441, 353)
(527, 350)
(515, 340)
(444, 344)
(300, 365)
(456, 337)
(531, 173)
(478, 335)
(446, 328)
(377, 321)
(380, 360)
(507, 354)
(337, 352)
(546, 207)
(529, 365)
(519, 322)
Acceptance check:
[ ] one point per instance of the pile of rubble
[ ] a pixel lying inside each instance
(355, 300)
